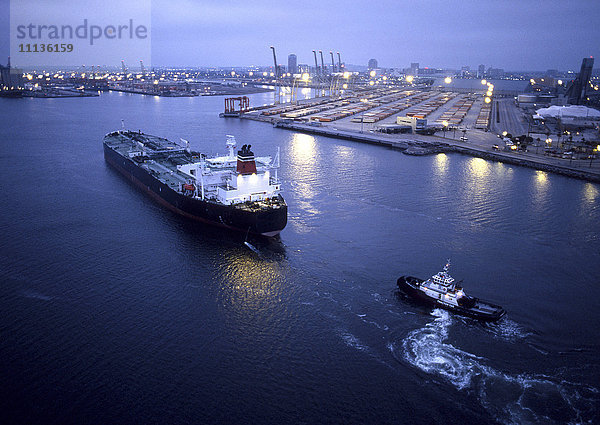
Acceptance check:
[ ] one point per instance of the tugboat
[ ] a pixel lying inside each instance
(441, 291)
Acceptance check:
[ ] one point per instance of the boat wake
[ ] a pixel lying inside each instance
(509, 398)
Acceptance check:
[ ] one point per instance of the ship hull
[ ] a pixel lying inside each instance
(483, 311)
(266, 223)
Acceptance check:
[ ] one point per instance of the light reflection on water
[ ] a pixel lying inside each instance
(540, 187)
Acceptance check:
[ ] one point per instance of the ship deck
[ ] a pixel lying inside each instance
(160, 157)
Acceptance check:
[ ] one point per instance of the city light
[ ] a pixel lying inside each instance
(371, 83)
(560, 82)
(487, 100)
(372, 73)
(447, 80)
(251, 73)
(346, 75)
(305, 77)
(484, 82)
(409, 78)
(344, 86)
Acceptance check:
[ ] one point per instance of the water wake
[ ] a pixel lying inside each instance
(509, 398)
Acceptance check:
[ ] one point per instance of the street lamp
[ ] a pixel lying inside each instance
(445, 128)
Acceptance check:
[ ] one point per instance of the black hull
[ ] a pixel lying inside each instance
(266, 223)
(408, 285)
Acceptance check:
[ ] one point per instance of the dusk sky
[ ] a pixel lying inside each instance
(509, 34)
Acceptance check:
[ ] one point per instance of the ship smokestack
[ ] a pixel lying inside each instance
(245, 161)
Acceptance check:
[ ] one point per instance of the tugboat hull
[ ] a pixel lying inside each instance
(474, 307)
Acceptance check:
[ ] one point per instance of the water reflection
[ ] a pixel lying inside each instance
(303, 149)
(251, 289)
(303, 174)
(478, 168)
(440, 165)
(590, 193)
(541, 186)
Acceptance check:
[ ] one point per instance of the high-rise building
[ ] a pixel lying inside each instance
(10, 78)
(414, 68)
(292, 64)
(372, 63)
(481, 71)
(576, 92)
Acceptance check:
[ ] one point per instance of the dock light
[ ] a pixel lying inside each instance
(560, 82)
(487, 100)
(288, 74)
(409, 78)
(384, 78)
(264, 74)
(305, 77)
(251, 73)
(532, 81)
(344, 86)
(371, 83)
(447, 80)
(272, 74)
(445, 123)
(232, 73)
(346, 75)
(504, 133)
(484, 82)
(372, 73)
(489, 93)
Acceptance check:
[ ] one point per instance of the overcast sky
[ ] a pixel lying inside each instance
(509, 34)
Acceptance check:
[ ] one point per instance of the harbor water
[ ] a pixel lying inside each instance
(116, 310)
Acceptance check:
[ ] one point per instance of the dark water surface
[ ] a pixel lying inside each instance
(115, 310)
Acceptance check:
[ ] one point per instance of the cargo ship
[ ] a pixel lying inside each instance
(236, 191)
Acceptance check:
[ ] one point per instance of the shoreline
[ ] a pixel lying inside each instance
(435, 144)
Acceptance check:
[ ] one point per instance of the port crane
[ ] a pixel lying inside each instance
(332, 62)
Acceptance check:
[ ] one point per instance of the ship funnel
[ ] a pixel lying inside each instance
(245, 160)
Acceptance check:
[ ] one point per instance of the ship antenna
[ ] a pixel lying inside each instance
(231, 145)
(122, 124)
(275, 163)
(447, 266)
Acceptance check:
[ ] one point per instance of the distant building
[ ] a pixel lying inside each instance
(465, 71)
(372, 64)
(414, 68)
(481, 71)
(10, 78)
(415, 123)
(495, 72)
(576, 92)
(292, 64)
(303, 67)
